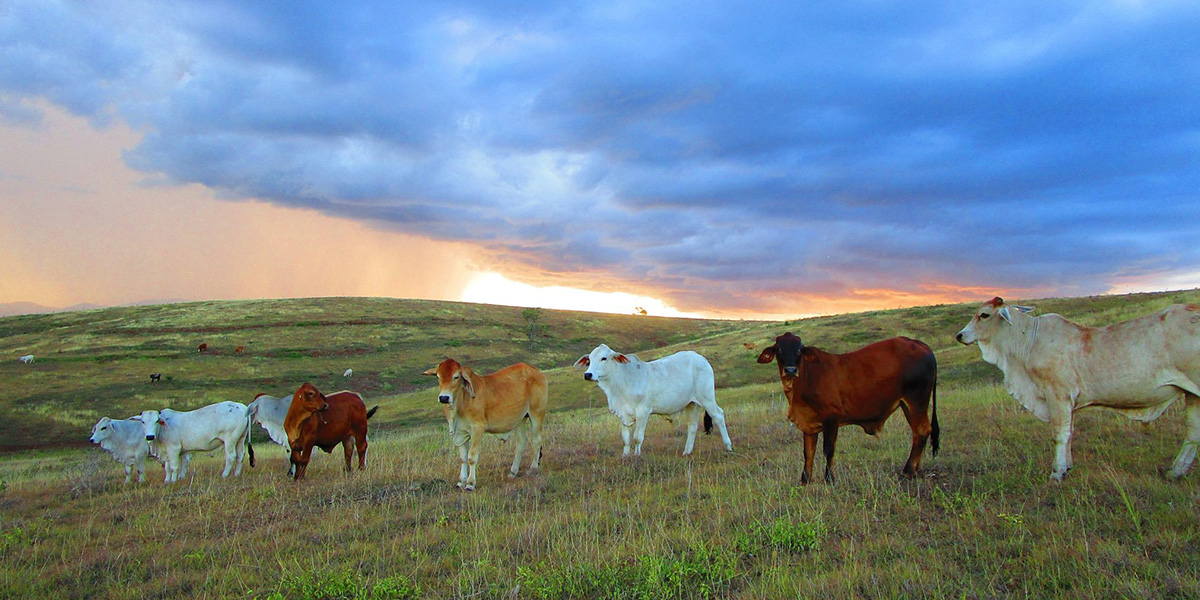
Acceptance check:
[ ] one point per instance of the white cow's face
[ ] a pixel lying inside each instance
(990, 317)
(600, 363)
(102, 430)
(151, 423)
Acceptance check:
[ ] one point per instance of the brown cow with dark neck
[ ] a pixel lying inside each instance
(827, 391)
(315, 419)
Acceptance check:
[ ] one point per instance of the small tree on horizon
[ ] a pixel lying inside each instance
(531, 316)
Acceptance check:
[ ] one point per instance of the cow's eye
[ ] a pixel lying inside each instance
(984, 315)
(103, 428)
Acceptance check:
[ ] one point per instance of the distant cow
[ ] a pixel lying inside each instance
(28, 358)
(202, 347)
(270, 412)
(499, 403)
(748, 345)
(1054, 367)
(348, 373)
(683, 381)
(125, 440)
(155, 377)
(239, 349)
(174, 434)
(315, 419)
(827, 391)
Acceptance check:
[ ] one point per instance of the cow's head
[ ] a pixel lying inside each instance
(453, 380)
(305, 401)
(600, 363)
(988, 319)
(786, 351)
(102, 430)
(151, 422)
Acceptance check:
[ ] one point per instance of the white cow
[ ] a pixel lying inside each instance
(1054, 367)
(125, 440)
(635, 389)
(269, 412)
(28, 358)
(348, 373)
(173, 434)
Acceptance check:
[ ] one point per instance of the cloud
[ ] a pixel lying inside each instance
(752, 159)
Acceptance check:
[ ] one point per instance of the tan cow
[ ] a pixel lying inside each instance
(1054, 367)
(498, 403)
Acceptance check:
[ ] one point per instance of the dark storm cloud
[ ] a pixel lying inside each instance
(718, 153)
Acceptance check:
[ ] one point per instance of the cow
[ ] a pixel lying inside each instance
(28, 358)
(239, 350)
(827, 391)
(1054, 368)
(155, 377)
(499, 403)
(683, 381)
(314, 419)
(348, 373)
(125, 440)
(202, 347)
(175, 434)
(269, 412)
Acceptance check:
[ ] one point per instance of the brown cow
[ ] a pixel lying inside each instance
(826, 391)
(202, 347)
(239, 349)
(315, 419)
(498, 403)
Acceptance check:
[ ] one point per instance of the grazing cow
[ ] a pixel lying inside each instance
(125, 440)
(748, 345)
(239, 349)
(202, 347)
(28, 358)
(499, 403)
(683, 381)
(174, 434)
(827, 391)
(1054, 368)
(314, 419)
(269, 412)
(348, 373)
(154, 377)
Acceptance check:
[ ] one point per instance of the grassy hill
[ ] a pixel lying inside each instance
(983, 521)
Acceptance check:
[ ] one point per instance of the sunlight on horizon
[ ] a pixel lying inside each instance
(494, 288)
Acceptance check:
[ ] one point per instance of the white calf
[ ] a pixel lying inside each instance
(28, 358)
(637, 389)
(125, 440)
(173, 434)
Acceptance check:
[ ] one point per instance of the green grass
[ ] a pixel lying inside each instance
(982, 522)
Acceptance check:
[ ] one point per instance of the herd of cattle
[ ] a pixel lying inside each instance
(1052, 366)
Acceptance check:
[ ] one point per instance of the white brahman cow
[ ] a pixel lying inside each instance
(269, 412)
(28, 358)
(173, 434)
(125, 440)
(635, 389)
(1054, 367)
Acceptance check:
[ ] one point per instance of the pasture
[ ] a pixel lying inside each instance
(982, 521)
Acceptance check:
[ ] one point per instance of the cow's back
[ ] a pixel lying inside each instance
(674, 381)
(862, 380)
(203, 428)
(512, 392)
(346, 415)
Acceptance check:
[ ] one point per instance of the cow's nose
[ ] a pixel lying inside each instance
(444, 399)
(959, 337)
(789, 370)
(149, 438)
(587, 376)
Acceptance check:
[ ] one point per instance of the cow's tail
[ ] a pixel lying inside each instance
(937, 431)
(371, 413)
(707, 423)
(250, 421)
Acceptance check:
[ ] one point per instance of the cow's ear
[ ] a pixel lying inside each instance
(621, 358)
(137, 418)
(1004, 314)
(767, 355)
(432, 371)
(467, 384)
(1024, 309)
(584, 362)
(161, 422)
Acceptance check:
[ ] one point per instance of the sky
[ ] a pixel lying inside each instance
(757, 159)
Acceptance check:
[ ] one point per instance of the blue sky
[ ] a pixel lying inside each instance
(730, 156)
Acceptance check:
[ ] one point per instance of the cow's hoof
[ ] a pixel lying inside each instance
(1174, 474)
(459, 485)
(468, 488)
(512, 475)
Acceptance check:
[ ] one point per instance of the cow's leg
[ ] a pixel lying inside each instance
(830, 430)
(173, 466)
(348, 451)
(521, 435)
(183, 465)
(463, 452)
(1060, 427)
(694, 411)
(626, 435)
(1187, 454)
(240, 447)
(810, 449)
(718, 417)
(361, 446)
(128, 473)
(535, 432)
(919, 422)
(473, 456)
(141, 468)
(640, 419)
(231, 458)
